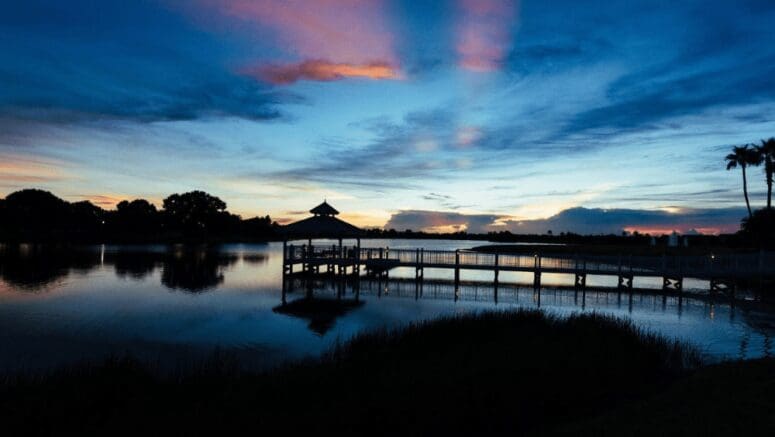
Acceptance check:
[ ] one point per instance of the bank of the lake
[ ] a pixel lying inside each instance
(511, 372)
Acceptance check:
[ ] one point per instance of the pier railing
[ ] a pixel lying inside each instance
(723, 265)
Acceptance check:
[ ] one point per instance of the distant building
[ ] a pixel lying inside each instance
(673, 239)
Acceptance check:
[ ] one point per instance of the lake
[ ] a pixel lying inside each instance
(174, 305)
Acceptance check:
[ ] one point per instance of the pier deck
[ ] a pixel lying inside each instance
(723, 271)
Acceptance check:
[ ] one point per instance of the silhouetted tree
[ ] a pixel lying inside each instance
(197, 212)
(139, 215)
(85, 217)
(33, 215)
(766, 152)
(259, 227)
(760, 227)
(743, 156)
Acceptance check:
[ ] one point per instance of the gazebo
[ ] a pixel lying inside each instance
(323, 224)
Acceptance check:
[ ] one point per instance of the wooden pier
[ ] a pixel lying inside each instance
(722, 271)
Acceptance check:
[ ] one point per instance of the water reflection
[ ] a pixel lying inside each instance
(35, 268)
(64, 304)
(321, 313)
(195, 271)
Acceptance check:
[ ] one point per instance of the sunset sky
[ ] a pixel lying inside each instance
(589, 116)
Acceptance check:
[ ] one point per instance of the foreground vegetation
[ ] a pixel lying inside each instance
(493, 373)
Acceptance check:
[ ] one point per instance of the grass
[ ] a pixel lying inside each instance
(520, 372)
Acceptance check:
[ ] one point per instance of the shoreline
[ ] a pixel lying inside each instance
(520, 372)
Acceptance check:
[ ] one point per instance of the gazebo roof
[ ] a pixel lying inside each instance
(322, 225)
(321, 313)
(324, 209)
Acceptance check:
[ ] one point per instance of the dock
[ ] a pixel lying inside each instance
(722, 271)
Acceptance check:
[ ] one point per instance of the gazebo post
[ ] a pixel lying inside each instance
(358, 255)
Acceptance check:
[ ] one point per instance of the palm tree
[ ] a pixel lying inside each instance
(767, 153)
(743, 156)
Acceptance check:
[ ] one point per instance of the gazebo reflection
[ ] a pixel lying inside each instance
(321, 313)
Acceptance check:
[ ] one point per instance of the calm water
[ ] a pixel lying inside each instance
(173, 305)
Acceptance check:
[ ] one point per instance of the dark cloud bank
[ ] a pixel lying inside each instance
(578, 220)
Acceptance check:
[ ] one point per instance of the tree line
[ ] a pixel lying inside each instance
(759, 223)
(33, 215)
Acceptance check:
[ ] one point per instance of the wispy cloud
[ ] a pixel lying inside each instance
(321, 70)
(21, 171)
(334, 39)
(96, 64)
(484, 33)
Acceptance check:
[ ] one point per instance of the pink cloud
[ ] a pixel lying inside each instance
(321, 70)
(333, 39)
(484, 33)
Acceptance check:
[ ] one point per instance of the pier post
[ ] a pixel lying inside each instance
(422, 263)
(497, 270)
(625, 281)
(537, 273)
(358, 258)
(417, 268)
(457, 268)
(581, 280)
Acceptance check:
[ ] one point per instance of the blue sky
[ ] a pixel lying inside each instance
(590, 116)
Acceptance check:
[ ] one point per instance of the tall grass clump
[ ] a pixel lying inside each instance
(482, 373)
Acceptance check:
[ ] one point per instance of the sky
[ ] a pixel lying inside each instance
(477, 115)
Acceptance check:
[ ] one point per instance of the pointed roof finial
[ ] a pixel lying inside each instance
(324, 209)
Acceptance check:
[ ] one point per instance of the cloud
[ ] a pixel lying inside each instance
(335, 39)
(98, 64)
(397, 153)
(436, 221)
(21, 171)
(349, 31)
(321, 70)
(592, 221)
(484, 33)
(102, 200)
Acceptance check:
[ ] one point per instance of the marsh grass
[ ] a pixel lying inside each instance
(485, 373)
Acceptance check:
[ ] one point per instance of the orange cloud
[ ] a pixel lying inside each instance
(484, 33)
(103, 201)
(322, 71)
(353, 36)
(20, 169)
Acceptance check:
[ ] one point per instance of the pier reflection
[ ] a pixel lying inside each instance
(319, 297)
